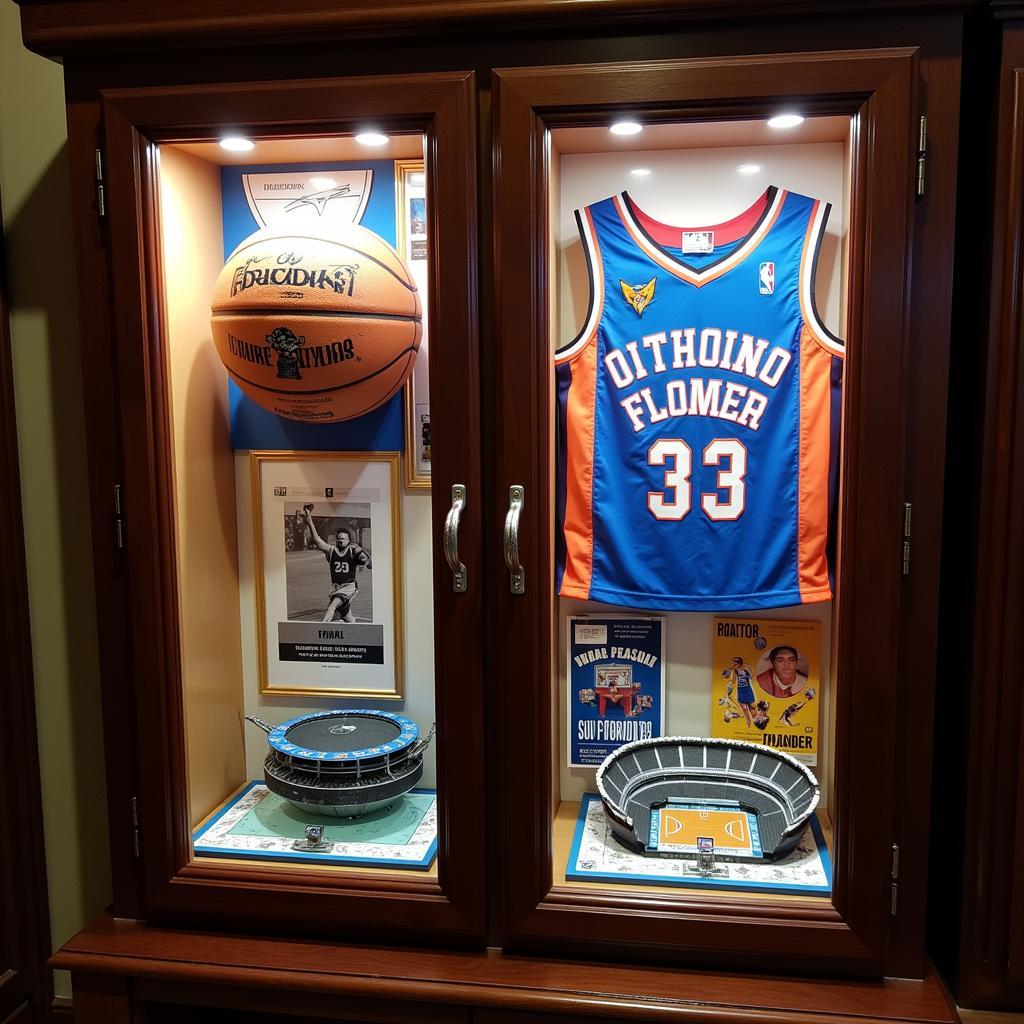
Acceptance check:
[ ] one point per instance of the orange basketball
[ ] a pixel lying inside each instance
(317, 329)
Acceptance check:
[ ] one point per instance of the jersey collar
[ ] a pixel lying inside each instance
(773, 199)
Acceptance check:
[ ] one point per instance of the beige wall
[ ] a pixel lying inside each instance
(48, 395)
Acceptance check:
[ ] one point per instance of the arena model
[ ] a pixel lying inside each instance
(343, 763)
(642, 777)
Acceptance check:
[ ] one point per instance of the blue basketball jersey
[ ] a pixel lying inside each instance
(698, 413)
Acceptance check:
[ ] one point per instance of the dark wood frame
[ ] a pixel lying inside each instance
(978, 841)
(121, 967)
(135, 121)
(877, 88)
(25, 980)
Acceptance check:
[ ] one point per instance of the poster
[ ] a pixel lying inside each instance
(765, 685)
(616, 684)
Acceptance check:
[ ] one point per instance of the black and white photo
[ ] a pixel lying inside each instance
(327, 573)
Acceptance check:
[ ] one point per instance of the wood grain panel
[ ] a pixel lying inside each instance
(242, 967)
(991, 952)
(192, 251)
(66, 26)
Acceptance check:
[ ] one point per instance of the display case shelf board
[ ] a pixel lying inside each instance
(597, 857)
(255, 823)
(253, 972)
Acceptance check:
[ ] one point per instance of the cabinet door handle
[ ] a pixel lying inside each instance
(451, 539)
(517, 579)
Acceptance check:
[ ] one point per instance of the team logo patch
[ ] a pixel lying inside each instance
(639, 296)
(766, 278)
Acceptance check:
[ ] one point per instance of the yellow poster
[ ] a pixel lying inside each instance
(766, 684)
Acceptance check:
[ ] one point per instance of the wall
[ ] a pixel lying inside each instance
(48, 396)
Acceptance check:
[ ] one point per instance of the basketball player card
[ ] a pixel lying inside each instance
(616, 684)
(766, 684)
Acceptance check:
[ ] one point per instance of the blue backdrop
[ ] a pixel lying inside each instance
(255, 427)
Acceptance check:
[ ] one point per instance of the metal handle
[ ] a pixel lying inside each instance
(451, 538)
(517, 580)
(258, 721)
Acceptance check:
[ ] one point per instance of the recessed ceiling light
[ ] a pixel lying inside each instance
(748, 168)
(640, 172)
(322, 182)
(236, 144)
(626, 128)
(372, 139)
(785, 121)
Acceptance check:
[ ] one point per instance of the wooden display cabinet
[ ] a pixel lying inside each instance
(489, 91)
(188, 582)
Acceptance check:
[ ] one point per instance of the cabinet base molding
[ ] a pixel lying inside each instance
(148, 968)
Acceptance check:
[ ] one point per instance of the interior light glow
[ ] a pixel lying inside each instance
(237, 144)
(640, 172)
(748, 168)
(626, 128)
(785, 120)
(372, 139)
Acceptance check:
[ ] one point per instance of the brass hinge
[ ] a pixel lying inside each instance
(894, 878)
(922, 154)
(101, 195)
(119, 535)
(133, 805)
(907, 509)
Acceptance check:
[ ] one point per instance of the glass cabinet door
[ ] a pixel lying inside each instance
(706, 300)
(299, 502)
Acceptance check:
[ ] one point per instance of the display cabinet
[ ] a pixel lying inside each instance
(533, 508)
(215, 548)
(857, 96)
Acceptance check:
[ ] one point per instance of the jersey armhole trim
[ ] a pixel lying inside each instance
(808, 270)
(595, 273)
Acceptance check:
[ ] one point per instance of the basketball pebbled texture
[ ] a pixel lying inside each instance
(317, 329)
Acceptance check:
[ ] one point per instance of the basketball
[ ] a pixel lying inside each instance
(317, 329)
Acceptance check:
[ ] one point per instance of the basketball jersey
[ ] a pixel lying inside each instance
(343, 566)
(698, 413)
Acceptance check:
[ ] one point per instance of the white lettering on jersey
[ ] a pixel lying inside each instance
(711, 348)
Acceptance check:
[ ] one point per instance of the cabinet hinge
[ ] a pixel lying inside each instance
(119, 536)
(907, 510)
(894, 881)
(133, 806)
(101, 194)
(922, 154)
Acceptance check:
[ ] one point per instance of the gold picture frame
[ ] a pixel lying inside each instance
(356, 493)
(411, 236)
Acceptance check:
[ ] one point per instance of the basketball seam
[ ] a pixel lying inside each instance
(323, 391)
(411, 285)
(304, 311)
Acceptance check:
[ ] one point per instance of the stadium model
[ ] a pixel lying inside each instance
(772, 791)
(343, 763)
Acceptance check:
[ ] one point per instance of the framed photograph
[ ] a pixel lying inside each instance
(328, 573)
(411, 197)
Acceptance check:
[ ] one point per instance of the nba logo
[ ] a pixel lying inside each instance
(766, 278)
